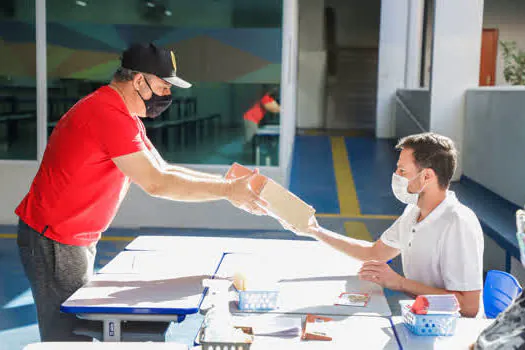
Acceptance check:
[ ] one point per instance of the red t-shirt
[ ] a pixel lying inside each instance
(256, 112)
(78, 189)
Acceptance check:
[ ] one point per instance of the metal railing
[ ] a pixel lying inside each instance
(409, 113)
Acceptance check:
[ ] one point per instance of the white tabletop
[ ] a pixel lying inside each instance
(353, 332)
(150, 263)
(165, 278)
(201, 245)
(105, 346)
(142, 282)
(467, 331)
(310, 281)
(138, 294)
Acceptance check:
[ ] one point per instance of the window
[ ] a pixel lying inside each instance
(17, 80)
(229, 50)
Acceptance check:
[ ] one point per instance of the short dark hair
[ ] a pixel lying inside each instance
(433, 151)
(123, 74)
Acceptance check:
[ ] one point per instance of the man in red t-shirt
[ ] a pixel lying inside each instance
(95, 151)
(253, 116)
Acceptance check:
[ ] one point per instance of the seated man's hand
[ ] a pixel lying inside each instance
(379, 272)
(313, 228)
(242, 196)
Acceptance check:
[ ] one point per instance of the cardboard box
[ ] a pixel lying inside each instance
(282, 203)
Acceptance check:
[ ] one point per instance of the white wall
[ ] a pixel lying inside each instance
(508, 16)
(16, 178)
(455, 66)
(494, 140)
(392, 58)
(312, 65)
(311, 89)
(414, 43)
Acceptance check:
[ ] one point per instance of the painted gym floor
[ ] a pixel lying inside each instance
(347, 180)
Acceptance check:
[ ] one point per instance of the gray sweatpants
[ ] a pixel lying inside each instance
(55, 271)
(250, 129)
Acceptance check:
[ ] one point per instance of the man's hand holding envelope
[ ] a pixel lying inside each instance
(293, 214)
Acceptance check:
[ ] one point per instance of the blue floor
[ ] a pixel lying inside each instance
(313, 179)
(312, 175)
(373, 162)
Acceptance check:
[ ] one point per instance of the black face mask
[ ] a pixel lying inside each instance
(156, 104)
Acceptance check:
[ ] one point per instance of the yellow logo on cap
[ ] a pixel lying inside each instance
(173, 61)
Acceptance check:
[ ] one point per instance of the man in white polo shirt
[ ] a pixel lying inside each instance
(440, 240)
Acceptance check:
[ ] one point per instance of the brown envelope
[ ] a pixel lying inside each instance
(283, 204)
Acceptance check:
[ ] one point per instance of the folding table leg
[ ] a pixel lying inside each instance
(112, 330)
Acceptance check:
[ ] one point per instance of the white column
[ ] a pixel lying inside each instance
(312, 64)
(455, 66)
(41, 77)
(392, 60)
(416, 9)
(288, 87)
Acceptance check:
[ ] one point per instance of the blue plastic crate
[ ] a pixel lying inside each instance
(429, 324)
(255, 300)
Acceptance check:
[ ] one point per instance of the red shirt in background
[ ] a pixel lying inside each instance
(256, 113)
(78, 189)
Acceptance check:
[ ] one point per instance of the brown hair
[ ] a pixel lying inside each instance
(433, 151)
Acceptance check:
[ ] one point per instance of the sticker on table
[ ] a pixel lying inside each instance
(353, 299)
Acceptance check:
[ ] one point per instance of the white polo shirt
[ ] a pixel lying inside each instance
(445, 250)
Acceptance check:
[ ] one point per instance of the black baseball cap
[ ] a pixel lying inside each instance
(148, 58)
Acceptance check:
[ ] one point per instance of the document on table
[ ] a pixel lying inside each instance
(269, 325)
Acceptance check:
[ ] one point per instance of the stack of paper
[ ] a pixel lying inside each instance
(283, 205)
(435, 304)
(283, 327)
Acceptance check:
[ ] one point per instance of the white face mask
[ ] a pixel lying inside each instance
(400, 189)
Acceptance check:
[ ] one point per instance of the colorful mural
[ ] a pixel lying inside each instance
(91, 51)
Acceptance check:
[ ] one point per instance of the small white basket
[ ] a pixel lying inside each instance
(429, 324)
(218, 345)
(256, 300)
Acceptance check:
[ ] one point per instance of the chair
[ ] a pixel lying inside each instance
(499, 292)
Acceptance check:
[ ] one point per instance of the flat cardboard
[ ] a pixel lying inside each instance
(282, 203)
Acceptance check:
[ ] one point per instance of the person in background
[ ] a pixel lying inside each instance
(439, 239)
(255, 115)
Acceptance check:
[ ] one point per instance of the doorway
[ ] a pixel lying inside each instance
(489, 52)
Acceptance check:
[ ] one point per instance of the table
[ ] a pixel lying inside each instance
(206, 245)
(104, 346)
(467, 331)
(352, 332)
(162, 263)
(141, 286)
(324, 274)
(268, 132)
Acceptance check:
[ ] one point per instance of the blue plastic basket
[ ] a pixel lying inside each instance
(255, 300)
(429, 324)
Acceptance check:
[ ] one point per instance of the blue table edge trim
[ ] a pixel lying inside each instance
(126, 311)
(395, 333)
